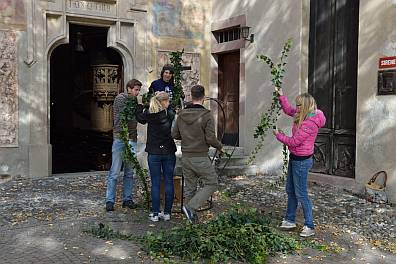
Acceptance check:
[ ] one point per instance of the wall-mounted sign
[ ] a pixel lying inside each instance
(387, 62)
(387, 82)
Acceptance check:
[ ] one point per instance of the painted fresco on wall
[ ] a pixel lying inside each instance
(190, 77)
(177, 18)
(12, 12)
(8, 89)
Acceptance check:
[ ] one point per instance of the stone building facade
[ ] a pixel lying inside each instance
(336, 52)
(44, 46)
(337, 45)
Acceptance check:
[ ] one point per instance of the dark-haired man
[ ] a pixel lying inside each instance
(165, 83)
(195, 127)
(133, 88)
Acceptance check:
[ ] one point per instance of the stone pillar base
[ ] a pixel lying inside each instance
(40, 161)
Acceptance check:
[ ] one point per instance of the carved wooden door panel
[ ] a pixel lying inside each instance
(229, 94)
(333, 82)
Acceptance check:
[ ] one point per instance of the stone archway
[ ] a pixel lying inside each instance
(85, 77)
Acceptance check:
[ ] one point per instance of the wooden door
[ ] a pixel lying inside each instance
(229, 96)
(333, 82)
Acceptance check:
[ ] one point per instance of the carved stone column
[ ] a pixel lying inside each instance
(106, 83)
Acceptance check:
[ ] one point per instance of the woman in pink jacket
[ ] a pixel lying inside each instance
(307, 121)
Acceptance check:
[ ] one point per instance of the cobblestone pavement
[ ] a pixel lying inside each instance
(42, 221)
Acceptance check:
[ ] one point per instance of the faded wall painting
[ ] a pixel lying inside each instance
(177, 18)
(12, 12)
(8, 90)
(190, 77)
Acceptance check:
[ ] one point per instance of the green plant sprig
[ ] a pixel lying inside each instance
(128, 114)
(176, 60)
(270, 117)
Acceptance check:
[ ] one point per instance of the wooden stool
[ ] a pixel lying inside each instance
(178, 192)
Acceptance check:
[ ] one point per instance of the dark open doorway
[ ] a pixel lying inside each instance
(228, 81)
(80, 123)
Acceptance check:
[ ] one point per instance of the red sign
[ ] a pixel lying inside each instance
(387, 62)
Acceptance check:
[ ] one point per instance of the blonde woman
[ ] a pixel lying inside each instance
(161, 152)
(307, 121)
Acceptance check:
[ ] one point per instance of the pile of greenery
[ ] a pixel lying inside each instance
(240, 234)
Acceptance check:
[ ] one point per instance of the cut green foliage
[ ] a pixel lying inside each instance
(241, 234)
(176, 60)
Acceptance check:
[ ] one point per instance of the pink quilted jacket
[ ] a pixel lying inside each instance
(302, 141)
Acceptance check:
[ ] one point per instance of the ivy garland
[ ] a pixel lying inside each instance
(178, 94)
(269, 118)
(128, 114)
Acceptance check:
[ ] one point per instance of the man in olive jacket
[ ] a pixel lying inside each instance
(195, 127)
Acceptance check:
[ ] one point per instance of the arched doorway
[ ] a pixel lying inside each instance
(80, 122)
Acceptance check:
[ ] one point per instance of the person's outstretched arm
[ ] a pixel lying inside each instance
(286, 107)
(299, 136)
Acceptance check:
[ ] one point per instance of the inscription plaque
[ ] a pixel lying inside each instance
(95, 7)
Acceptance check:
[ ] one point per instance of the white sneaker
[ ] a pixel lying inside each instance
(307, 232)
(164, 216)
(154, 217)
(287, 225)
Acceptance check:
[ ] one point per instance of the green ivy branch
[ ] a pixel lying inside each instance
(270, 117)
(128, 114)
(176, 60)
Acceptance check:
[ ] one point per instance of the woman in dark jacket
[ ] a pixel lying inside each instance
(161, 152)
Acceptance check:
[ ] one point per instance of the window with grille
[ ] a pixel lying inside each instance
(226, 35)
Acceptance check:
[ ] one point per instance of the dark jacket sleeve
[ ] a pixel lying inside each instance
(140, 114)
(210, 135)
(175, 130)
(171, 113)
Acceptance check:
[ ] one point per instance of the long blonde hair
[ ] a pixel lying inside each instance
(156, 102)
(307, 105)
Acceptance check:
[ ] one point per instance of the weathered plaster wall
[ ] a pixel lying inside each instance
(376, 115)
(178, 25)
(272, 23)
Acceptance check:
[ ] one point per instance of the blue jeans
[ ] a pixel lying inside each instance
(116, 163)
(161, 166)
(297, 191)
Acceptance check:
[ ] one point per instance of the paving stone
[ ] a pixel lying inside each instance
(42, 220)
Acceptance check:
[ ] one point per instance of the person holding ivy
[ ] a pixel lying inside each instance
(120, 102)
(161, 152)
(307, 122)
